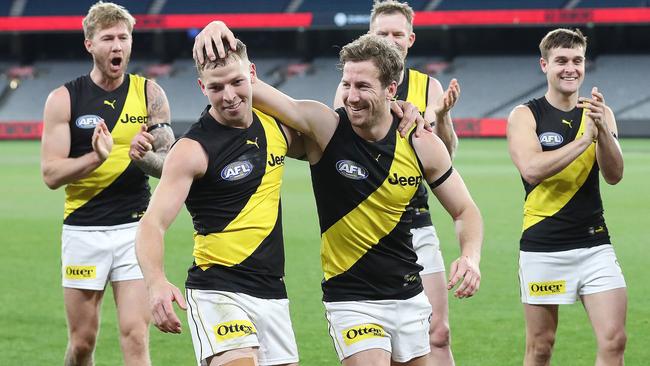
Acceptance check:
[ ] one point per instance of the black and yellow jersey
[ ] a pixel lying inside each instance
(415, 90)
(362, 190)
(564, 211)
(117, 192)
(235, 208)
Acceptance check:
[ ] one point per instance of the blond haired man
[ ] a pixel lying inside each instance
(561, 143)
(227, 169)
(103, 133)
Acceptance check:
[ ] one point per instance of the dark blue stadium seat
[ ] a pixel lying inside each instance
(5, 6)
(224, 6)
(347, 6)
(335, 6)
(613, 3)
(500, 4)
(79, 7)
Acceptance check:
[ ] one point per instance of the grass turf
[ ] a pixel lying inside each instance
(487, 329)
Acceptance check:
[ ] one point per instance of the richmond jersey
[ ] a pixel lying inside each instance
(564, 211)
(235, 208)
(415, 90)
(362, 191)
(117, 192)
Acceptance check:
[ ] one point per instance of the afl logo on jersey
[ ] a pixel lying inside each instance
(237, 170)
(87, 121)
(352, 170)
(550, 139)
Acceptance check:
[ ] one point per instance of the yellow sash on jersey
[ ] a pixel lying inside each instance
(549, 196)
(256, 220)
(345, 242)
(84, 189)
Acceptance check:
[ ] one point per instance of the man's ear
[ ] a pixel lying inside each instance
(543, 64)
(253, 72)
(202, 86)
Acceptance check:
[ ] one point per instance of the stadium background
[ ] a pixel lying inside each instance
(490, 46)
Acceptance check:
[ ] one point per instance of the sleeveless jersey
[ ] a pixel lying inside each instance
(564, 211)
(235, 208)
(117, 192)
(362, 190)
(415, 90)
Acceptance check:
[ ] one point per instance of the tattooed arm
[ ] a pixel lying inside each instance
(150, 146)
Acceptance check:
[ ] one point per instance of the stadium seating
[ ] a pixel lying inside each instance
(78, 7)
(612, 3)
(491, 86)
(224, 6)
(500, 4)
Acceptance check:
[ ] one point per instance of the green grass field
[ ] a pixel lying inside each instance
(487, 329)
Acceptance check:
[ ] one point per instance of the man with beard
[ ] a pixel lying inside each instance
(103, 133)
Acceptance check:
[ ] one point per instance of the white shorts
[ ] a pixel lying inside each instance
(221, 321)
(561, 277)
(90, 258)
(427, 247)
(400, 327)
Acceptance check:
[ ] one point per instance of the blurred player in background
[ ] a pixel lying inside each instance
(95, 141)
(560, 143)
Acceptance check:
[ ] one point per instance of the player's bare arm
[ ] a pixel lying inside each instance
(455, 198)
(533, 164)
(186, 161)
(57, 168)
(608, 150)
(438, 111)
(313, 119)
(150, 146)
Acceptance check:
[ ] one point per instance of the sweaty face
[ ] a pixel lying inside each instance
(230, 91)
(111, 50)
(365, 100)
(395, 28)
(565, 69)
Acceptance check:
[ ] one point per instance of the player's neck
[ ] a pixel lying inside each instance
(562, 101)
(104, 82)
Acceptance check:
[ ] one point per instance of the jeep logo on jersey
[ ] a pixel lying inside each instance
(352, 170)
(87, 121)
(550, 139)
(237, 170)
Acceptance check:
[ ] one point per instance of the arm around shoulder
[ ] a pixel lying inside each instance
(311, 118)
